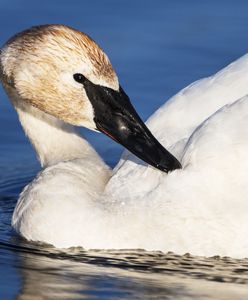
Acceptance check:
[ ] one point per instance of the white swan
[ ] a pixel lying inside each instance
(200, 209)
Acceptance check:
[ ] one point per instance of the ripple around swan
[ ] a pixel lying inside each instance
(75, 272)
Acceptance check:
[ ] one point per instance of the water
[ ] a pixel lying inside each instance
(157, 47)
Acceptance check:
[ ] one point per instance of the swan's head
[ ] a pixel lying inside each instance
(64, 73)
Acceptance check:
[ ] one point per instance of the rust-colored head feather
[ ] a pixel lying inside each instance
(39, 64)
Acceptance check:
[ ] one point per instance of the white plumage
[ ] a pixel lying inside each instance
(201, 209)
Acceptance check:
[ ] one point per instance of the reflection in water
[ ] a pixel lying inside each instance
(76, 274)
(48, 278)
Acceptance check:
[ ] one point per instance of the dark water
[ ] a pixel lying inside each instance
(157, 47)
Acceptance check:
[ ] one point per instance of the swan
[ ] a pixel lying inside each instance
(57, 78)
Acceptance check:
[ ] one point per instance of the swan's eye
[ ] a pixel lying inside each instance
(79, 77)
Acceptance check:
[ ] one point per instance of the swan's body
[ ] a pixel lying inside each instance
(200, 209)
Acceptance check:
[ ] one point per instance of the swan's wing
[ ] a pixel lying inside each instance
(214, 159)
(201, 209)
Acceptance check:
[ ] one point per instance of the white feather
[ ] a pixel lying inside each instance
(201, 209)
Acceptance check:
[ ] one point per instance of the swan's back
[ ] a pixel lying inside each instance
(179, 116)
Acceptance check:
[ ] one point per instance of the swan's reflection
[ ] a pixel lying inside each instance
(94, 275)
(46, 278)
(59, 278)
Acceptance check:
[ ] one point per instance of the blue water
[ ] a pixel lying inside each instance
(157, 47)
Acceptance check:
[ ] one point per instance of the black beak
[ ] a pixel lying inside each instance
(116, 117)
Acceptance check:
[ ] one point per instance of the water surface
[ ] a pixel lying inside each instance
(157, 48)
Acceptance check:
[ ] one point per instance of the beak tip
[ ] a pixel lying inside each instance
(166, 167)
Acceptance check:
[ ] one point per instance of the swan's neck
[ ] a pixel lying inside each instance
(53, 140)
